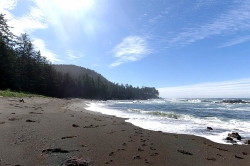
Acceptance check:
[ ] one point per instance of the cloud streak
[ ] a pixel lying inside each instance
(228, 89)
(237, 19)
(236, 41)
(132, 48)
(233, 20)
(72, 55)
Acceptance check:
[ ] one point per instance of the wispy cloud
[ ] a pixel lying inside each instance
(201, 3)
(28, 22)
(224, 23)
(228, 89)
(40, 45)
(132, 48)
(7, 4)
(236, 41)
(33, 20)
(72, 55)
(235, 20)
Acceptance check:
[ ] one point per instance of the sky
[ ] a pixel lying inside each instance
(184, 48)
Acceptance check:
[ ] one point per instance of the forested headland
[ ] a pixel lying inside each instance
(22, 68)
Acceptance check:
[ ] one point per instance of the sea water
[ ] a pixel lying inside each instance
(182, 116)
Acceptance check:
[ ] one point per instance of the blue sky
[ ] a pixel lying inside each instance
(184, 48)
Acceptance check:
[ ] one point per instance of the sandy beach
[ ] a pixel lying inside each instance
(50, 131)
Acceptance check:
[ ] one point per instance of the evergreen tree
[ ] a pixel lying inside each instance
(23, 68)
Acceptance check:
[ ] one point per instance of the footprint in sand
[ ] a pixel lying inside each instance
(137, 157)
(13, 119)
(142, 140)
(110, 161)
(211, 158)
(111, 153)
(184, 152)
(244, 153)
(34, 113)
(153, 154)
(139, 149)
(121, 149)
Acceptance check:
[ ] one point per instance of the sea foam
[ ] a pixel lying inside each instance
(182, 116)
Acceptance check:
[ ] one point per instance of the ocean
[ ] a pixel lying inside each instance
(182, 116)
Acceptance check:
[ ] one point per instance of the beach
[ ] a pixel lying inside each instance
(50, 131)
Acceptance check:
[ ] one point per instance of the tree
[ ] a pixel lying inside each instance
(7, 55)
(23, 68)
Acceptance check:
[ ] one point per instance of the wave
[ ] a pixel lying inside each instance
(182, 116)
(191, 100)
(157, 113)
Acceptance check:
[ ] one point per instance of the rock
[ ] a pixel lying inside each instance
(247, 141)
(75, 125)
(234, 101)
(229, 139)
(75, 161)
(28, 120)
(209, 128)
(235, 135)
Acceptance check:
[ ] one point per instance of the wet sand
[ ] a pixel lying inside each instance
(48, 131)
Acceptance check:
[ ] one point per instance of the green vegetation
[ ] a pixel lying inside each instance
(9, 93)
(22, 68)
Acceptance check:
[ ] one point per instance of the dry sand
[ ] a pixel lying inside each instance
(44, 131)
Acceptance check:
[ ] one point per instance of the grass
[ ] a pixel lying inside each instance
(9, 93)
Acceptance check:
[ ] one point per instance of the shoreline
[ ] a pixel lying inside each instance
(50, 131)
(175, 122)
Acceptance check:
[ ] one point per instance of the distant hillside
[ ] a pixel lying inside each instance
(22, 68)
(76, 71)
